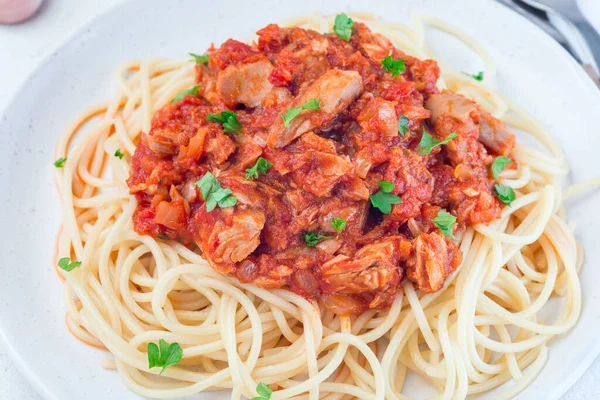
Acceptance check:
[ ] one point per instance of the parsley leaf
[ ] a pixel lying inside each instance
(393, 66)
(188, 92)
(313, 238)
(165, 355)
(264, 392)
(386, 186)
(66, 264)
(445, 222)
(343, 26)
(499, 164)
(203, 59)
(261, 166)
(221, 197)
(338, 224)
(153, 355)
(506, 194)
(403, 122)
(206, 184)
(60, 162)
(477, 77)
(213, 194)
(294, 111)
(228, 119)
(228, 201)
(119, 154)
(384, 199)
(428, 142)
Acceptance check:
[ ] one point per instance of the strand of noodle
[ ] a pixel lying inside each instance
(513, 366)
(343, 339)
(531, 373)
(490, 66)
(447, 350)
(389, 320)
(146, 106)
(467, 283)
(124, 137)
(417, 310)
(580, 187)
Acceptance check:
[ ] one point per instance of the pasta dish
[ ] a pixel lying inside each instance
(317, 213)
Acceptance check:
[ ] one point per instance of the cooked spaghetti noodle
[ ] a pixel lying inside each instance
(481, 330)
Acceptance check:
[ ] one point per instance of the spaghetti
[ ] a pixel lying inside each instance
(481, 330)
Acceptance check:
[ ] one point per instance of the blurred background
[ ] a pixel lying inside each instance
(24, 44)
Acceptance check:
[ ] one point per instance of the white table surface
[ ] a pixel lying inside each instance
(22, 46)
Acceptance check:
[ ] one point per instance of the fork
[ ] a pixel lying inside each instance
(563, 31)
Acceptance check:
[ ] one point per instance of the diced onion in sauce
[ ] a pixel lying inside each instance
(362, 166)
(329, 246)
(463, 172)
(169, 215)
(306, 282)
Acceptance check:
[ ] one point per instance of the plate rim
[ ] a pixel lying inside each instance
(42, 388)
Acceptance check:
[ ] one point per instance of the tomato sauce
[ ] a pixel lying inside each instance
(360, 152)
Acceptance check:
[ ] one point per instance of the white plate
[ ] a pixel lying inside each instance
(532, 70)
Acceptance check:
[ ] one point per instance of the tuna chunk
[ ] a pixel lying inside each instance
(374, 267)
(376, 46)
(494, 135)
(245, 83)
(434, 258)
(455, 106)
(241, 238)
(379, 116)
(229, 235)
(320, 174)
(335, 90)
(453, 112)
(412, 182)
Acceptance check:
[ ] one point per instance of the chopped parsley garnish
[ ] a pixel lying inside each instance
(199, 59)
(294, 111)
(261, 166)
(499, 164)
(403, 125)
(313, 238)
(428, 142)
(165, 355)
(228, 119)
(213, 194)
(506, 194)
(188, 92)
(477, 77)
(60, 162)
(343, 26)
(338, 224)
(384, 199)
(119, 154)
(393, 66)
(264, 392)
(386, 186)
(66, 264)
(445, 222)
